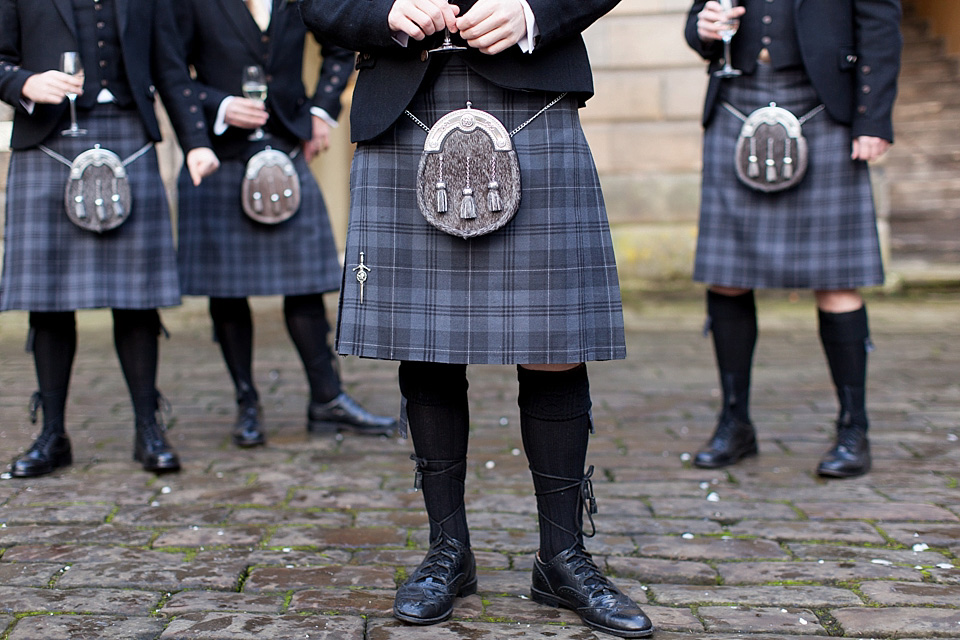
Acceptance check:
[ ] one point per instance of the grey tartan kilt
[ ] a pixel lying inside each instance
(543, 289)
(50, 264)
(224, 253)
(820, 235)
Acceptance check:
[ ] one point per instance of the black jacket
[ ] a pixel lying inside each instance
(390, 74)
(33, 33)
(850, 50)
(221, 38)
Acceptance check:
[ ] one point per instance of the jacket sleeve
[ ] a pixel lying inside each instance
(334, 74)
(352, 24)
(186, 20)
(707, 50)
(177, 90)
(879, 45)
(561, 19)
(12, 76)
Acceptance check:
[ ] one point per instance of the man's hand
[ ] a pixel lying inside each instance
(493, 26)
(51, 87)
(201, 162)
(712, 17)
(320, 141)
(869, 148)
(421, 18)
(245, 113)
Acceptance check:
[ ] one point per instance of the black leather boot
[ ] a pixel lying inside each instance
(850, 455)
(150, 446)
(344, 414)
(448, 571)
(573, 580)
(731, 441)
(48, 452)
(246, 430)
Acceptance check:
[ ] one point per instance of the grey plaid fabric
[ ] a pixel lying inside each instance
(820, 235)
(543, 289)
(50, 264)
(223, 253)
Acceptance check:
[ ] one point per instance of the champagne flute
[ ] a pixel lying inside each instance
(447, 44)
(728, 29)
(254, 87)
(71, 65)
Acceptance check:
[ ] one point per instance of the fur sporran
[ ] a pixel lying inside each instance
(270, 190)
(98, 195)
(771, 153)
(468, 181)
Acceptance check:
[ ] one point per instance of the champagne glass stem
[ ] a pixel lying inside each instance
(73, 112)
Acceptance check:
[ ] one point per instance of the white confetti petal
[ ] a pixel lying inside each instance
(879, 561)
(945, 565)
(685, 457)
(713, 496)
(166, 490)
(920, 546)
(687, 536)
(490, 464)
(803, 621)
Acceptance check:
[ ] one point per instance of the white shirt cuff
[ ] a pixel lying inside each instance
(28, 104)
(527, 43)
(220, 125)
(323, 115)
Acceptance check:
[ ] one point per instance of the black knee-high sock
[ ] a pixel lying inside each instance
(733, 322)
(136, 335)
(845, 337)
(555, 427)
(233, 328)
(439, 422)
(54, 342)
(307, 325)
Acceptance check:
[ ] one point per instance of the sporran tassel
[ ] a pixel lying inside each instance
(787, 161)
(493, 197)
(442, 205)
(468, 207)
(771, 163)
(753, 168)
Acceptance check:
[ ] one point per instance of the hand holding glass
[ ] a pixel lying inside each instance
(447, 44)
(728, 29)
(70, 64)
(254, 87)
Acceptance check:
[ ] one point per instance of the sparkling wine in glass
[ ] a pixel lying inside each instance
(728, 29)
(254, 87)
(71, 65)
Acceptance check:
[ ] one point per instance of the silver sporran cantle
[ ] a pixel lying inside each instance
(270, 191)
(98, 195)
(468, 182)
(771, 153)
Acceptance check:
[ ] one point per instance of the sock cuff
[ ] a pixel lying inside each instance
(849, 326)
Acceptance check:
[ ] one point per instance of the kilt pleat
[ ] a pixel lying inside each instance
(543, 289)
(224, 253)
(820, 235)
(50, 264)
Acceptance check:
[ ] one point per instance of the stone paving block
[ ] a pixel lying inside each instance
(292, 516)
(33, 534)
(503, 541)
(847, 531)
(289, 557)
(259, 494)
(625, 525)
(218, 536)
(66, 490)
(822, 572)
(792, 620)
(500, 521)
(781, 596)
(327, 499)
(5, 622)
(45, 627)
(169, 515)
(354, 538)
(934, 535)
(911, 593)
(95, 601)
(656, 570)
(460, 629)
(248, 626)
(69, 554)
(707, 548)
(947, 574)
(28, 575)
(899, 622)
(283, 579)
(880, 511)
(193, 601)
(66, 514)
(170, 575)
(722, 511)
(368, 602)
(847, 553)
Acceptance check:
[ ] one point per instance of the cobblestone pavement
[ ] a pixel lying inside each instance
(308, 537)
